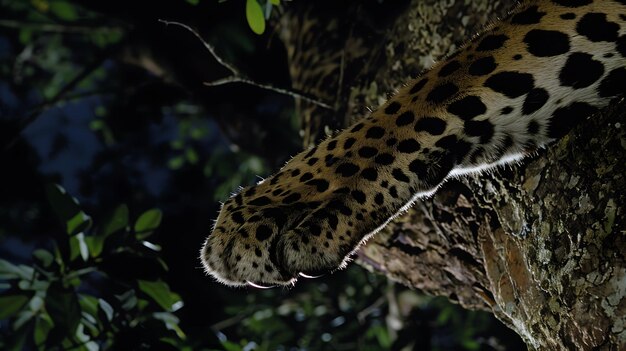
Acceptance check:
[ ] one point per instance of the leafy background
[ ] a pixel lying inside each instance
(111, 175)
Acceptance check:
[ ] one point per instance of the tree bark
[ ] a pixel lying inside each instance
(540, 244)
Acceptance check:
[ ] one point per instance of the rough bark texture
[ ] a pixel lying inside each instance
(540, 244)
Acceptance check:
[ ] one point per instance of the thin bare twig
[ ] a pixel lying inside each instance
(229, 322)
(371, 308)
(208, 46)
(341, 73)
(238, 77)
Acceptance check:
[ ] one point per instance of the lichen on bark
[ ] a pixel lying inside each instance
(541, 243)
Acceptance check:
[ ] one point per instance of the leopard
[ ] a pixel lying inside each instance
(523, 82)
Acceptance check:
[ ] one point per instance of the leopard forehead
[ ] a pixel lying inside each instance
(522, 83)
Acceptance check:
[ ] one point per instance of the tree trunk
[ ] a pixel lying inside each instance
(540, 244)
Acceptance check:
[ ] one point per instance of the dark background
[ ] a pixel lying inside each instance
(107, 102)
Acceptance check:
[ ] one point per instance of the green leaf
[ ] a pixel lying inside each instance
(33, 284)
(116, 220)
(10, 271)
(43, 325)
(142, 304)
(44, 257)
(36, 303)
(80, 222)
(106, 308)
(177, 144)
(383, 337)
(11, 304)
(471, 345)
(171, 322)
(92, 316)
(104, 38)
(63, 307)
(23, 317)
(275, 2)
(88, 304)
(67, 209)
(84, 339)
(94, 245)
(254, 15)
(96, 124)
(176, 162)
(100, 111)
(62, 203)
(151, 246)
(147, 223)
(63, 10)
(198, 133)
(78, 247)
(128, 300)
(192, 156)
(231, 346)
(444, 315)
(160, 292)
(26, 36)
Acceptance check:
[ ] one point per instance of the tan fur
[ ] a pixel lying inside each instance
(262, 237)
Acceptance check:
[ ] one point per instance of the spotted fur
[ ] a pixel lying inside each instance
(521, 84)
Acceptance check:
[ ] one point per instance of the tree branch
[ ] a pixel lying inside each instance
(292, 93)
(208, 46)
(238, 77)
